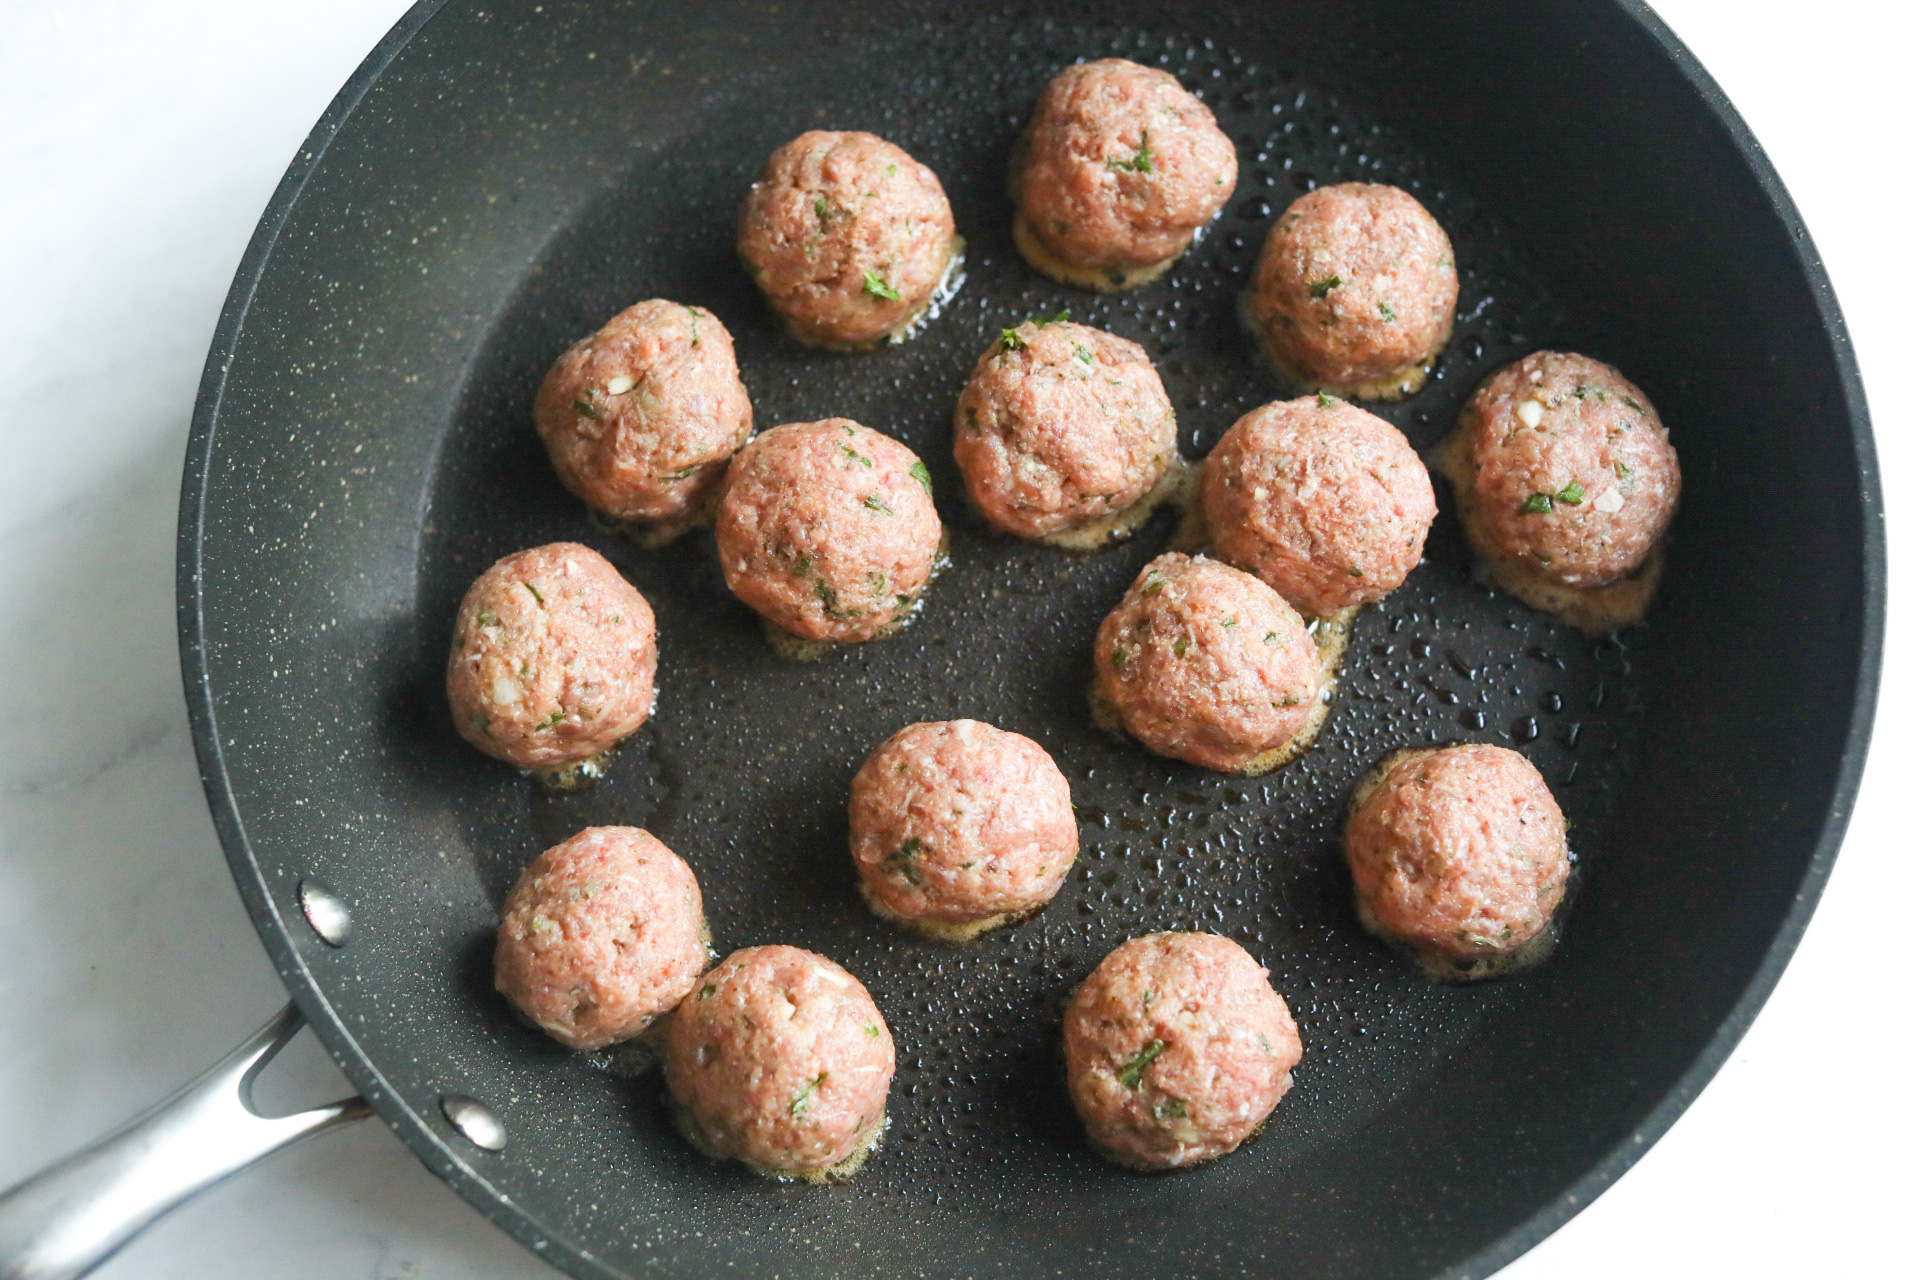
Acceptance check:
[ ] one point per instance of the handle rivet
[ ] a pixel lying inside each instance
(475, 1121)
(325, 912)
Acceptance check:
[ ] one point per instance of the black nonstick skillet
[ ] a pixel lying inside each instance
(500, 177)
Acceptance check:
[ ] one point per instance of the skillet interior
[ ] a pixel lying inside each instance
(511, 178)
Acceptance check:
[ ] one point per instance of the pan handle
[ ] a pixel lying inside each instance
(65, 1221)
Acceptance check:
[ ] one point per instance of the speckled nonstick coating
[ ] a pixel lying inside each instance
(499, 179)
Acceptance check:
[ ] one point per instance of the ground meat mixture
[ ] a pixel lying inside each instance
(1355, 290)
(553, 658)
(601, 934)
(958, 827)
(1569, 471)
(849, 237)
(1458, 853)
(1061, 426)
(640, 417)
(780, 1059)
(828, 530)
(1324, 502)
(1178, 1049)
(1207, 664)
(1117, 168)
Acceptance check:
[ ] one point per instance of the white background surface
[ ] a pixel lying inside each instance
(138, 144)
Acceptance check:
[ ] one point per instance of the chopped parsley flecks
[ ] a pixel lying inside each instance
(871, 283)
(857, 456)
(1355, 571)
(1129, 1075)
(1386, 311)
(892, 169)
(1140, 161)
(1321, 288)
(1010, 339)
(1572, 495)
(1180, 647)
(1327, 401)
(803, 1100)
(585, 410)
(693, 318)
(902, 859)
(681, 474)
(1156, 583)
(1081, 353)
(830, 600)
(535, 592)
(1586, 389)
(552, 720)
(1170, 1109)
(487, 618)
(873, 503)
(870, 1030)
(1272, 637)
(1118, 658)
(1537, 505)
(706, 992)
(1233, 621)
(919, 473)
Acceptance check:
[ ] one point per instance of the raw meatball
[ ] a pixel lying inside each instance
(1459, 854)
(1328, 504)
(1117, 169)
(779, 1059)
(1207, 664)
(1062, 427)
(959, 827)
(1563, 471)
(1177, 1050)
(601, 934)
(641, 417)
(553, 659)
(827, 529)
(1354, 291)
(849, 237)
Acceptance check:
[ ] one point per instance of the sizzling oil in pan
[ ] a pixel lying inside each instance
(744, 771)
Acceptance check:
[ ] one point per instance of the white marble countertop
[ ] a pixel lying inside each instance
(138, 144)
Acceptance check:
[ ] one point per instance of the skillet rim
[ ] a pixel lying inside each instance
(434, 1150)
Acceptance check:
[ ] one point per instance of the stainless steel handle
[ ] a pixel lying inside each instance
(65, 1221)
